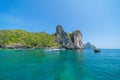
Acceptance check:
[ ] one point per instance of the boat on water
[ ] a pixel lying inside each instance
(97, 50)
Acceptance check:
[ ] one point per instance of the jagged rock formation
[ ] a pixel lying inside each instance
(69, 42)
(89, 46)
(63, 38)
(77, 39)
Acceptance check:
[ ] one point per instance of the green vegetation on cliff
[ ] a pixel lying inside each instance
(32, 39)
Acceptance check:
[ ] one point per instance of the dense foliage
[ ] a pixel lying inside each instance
(33, 39)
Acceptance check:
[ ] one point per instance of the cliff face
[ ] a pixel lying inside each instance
(63, 38)
(69, 42)
(77, 39)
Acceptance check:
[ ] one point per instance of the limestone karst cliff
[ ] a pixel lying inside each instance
(77, 39)
(63, 38)
(73, 41)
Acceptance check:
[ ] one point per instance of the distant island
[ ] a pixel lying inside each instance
(23, 39)
(89, 46)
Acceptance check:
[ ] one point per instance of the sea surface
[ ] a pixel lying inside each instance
(37, 64)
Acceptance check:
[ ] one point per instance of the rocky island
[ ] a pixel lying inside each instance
(24, 39)
(89, 46)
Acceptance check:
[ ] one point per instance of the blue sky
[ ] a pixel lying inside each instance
(98, 20)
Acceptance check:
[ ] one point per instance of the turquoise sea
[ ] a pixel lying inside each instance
(36, 64)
